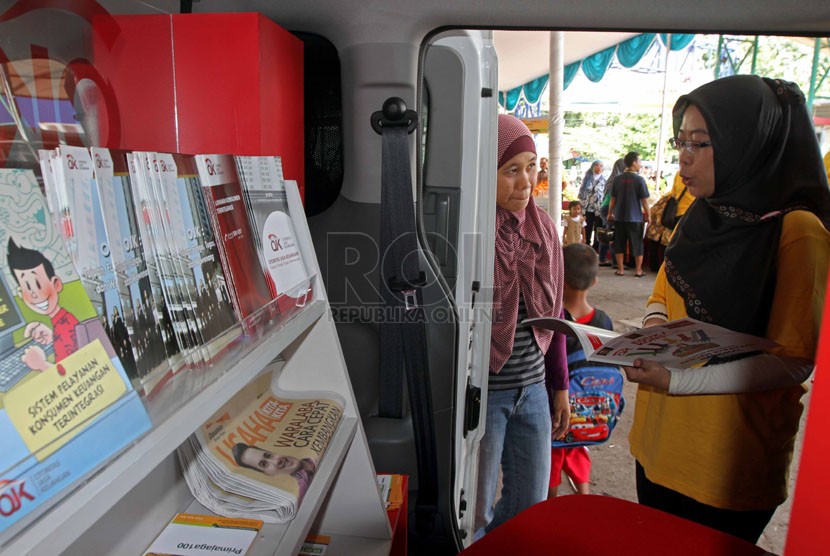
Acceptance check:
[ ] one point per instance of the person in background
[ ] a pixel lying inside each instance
(574, 224)
(543, 170)
(657, 236)
(714, 444)
(542, 185)
(581, 268)
(605, 248)
(591, 193)
(527, 399)
(628, 211)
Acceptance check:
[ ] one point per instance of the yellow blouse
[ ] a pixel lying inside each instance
(733, 451)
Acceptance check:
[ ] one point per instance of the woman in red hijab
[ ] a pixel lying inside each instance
(527, 398)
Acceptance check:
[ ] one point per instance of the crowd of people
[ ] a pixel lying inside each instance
(746, 247)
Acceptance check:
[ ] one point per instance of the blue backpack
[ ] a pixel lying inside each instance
(595, 392)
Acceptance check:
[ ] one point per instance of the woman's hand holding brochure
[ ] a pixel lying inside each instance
(659, 356)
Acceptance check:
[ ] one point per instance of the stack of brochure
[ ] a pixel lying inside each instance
(171, 250)
(257, 455)
(279, 253)
(200, 535)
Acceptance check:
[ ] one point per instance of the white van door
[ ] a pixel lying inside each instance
(457, 179)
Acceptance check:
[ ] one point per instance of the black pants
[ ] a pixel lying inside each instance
(745, 525)
(592, 220)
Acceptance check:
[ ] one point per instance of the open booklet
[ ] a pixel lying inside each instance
(256, 456)
(683, 343)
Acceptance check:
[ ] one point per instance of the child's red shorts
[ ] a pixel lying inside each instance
(575, 461)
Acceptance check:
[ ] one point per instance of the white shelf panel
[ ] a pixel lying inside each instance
(182, 405)
(285, 538)
(346, 544)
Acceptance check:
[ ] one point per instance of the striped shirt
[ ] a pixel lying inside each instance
(526, 364)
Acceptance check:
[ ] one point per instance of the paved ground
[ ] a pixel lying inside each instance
(624, 299)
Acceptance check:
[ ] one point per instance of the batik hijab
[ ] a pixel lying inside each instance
(722, 259)
(593, 188)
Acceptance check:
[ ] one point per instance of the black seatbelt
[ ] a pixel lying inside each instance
(403, 342)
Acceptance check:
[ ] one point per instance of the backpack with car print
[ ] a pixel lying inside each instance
(595, 392)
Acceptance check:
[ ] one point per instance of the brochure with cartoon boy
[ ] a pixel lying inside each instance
(679, 344)
(66, 404)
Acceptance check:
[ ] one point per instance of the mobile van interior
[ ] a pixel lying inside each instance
(416, 391)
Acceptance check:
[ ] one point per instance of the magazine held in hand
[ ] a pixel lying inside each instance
(679, 344)
(257, 455)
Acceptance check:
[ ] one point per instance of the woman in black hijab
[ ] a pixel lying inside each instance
(714, 444)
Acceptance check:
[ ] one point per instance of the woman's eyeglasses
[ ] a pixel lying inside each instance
(693, 147)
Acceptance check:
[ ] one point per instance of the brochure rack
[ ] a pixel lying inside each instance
(122, 506)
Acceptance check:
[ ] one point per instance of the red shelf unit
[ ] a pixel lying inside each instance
(202, 83)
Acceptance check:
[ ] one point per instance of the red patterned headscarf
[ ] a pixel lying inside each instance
(528, 258)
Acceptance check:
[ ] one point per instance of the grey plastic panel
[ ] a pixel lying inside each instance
(441, 212)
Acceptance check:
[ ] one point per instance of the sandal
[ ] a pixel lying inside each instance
(618, 273)
(640, 275)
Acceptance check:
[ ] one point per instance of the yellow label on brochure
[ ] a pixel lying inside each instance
(216, 521)
(49, 409)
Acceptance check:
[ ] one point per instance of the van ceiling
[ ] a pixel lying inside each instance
(349, 22)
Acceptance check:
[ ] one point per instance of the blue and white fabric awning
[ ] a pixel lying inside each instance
(628, 53)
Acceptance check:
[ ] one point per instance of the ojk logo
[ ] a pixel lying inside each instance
(276, 243)
(12, 494)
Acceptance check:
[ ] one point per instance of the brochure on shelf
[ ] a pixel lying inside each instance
(45, 158)
(155, 301)
(92, 255)
(168, 212)
(257, 455)
(682, 343)
(203, 535)
(315, 545)
(154, 359)
(155, 248)
(194, 247)
(223, 192)
(263, 170)
(391, 490)
(66, 403)
(275, 238)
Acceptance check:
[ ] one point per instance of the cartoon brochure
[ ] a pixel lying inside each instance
(66, 404)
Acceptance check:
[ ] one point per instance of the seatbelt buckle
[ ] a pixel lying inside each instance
(409, 289)
(410, 299)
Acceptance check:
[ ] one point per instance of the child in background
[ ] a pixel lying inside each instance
(574, 224)
(581, 268)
